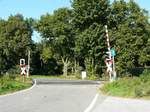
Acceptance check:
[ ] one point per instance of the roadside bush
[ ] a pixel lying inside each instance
(145, 76)
(13, 72)
(92, 77)
(78, 75)
(148, 91)
(4, 80)
(8, 84)
(142, 90)
(139, 91)
(127, 87)
(130, 86)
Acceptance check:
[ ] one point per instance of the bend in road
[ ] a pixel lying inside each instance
(51, 98)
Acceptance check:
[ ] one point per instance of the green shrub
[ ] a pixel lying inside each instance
(145, 76)
(92, 77)
(127, 87)
(130, 86)
(4, 80)
(78, 76)
(148, 91)
(139, 91)
(146, 72)
(142, 90)
(8, 84)
(14, 70)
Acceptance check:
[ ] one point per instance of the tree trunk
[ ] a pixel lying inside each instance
(66, 63)
(75, 67)
(92, 64)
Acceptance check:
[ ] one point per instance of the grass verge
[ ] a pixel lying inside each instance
(47, 76)
(70, 77)
(8, 85)
(136, 87)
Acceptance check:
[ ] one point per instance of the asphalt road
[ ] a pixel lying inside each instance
(58, 95)
(52, 96)
(116, 104)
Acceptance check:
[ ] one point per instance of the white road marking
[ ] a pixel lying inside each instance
(89, 108)
(19, 92)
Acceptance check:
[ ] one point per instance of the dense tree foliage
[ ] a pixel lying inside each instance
(131, 35)
(89, 18)
(15, 38)
(57, 30)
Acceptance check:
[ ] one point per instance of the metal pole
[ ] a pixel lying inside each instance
(108, 47)
(114, 71)
(28, 70)
(107, 39)
(113, 64)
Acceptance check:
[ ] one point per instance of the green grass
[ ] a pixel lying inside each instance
(71, 77)
(47, 76)
(55, 76)
(8, 85)
(136, 87)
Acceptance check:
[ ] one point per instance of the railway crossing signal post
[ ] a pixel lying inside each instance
(109, 61)
(23, 71)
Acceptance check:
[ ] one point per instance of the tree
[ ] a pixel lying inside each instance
(57, 30)
(89, 18)
(86, 12)
(15, 36)
(130, 34)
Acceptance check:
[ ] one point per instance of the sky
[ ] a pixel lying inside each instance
(36, 8)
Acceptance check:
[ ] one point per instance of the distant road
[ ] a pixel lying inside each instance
(52, 95)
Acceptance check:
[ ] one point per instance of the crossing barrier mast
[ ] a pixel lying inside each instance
(109, 61)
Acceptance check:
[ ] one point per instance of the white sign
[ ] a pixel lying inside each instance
(83, 74)
(23, 70)
(22, 61)
(23, 67)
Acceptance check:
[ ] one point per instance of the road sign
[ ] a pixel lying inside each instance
(83, 73)
(113, 52)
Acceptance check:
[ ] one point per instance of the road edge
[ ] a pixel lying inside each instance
(90, 107)
(21, 91)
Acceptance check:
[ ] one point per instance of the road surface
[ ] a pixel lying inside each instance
(52, 96)
(58, 95)
(116, 104)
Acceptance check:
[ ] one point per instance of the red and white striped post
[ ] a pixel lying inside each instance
(108, 43)
(108, 60)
